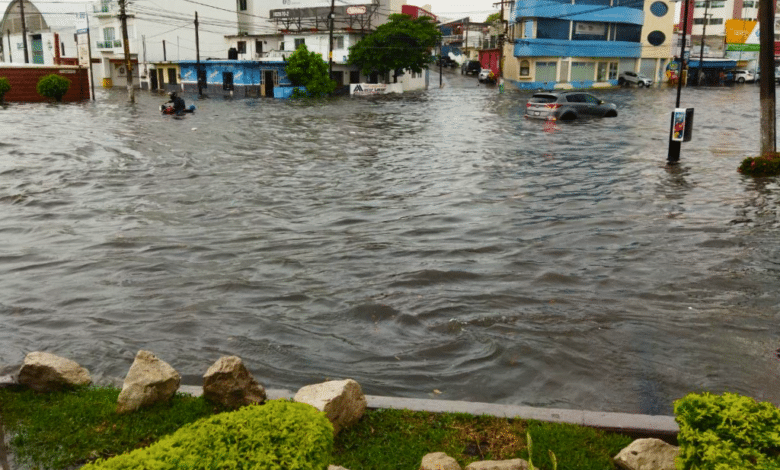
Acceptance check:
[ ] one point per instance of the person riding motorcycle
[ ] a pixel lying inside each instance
(178, 103)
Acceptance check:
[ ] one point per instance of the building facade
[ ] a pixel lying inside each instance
(587, 43)
(45, 37)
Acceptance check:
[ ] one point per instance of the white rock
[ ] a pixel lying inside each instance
(148, 381)
(647, 454)
(44, 372)
(439, 461)
(513, 464)
(342, 401)
(228, 382)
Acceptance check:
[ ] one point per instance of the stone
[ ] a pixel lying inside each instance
(45, 372)
(647, 454)
(228, 382)
(439, 461)
(335, 467)
(513, 464)
(342, 401)
(148, 381)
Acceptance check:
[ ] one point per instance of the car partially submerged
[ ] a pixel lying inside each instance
(567, 106)
(486, 76)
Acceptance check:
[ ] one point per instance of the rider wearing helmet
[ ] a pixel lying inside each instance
(178, 102)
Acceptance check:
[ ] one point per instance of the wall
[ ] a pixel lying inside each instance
(24, 79)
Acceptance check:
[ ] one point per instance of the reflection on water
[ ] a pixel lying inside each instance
(429, 241)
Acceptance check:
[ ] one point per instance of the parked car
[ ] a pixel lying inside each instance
(470, 66)
(567, 106)
(446, 62)
(742, 76)
(635, 78)
(486, 76)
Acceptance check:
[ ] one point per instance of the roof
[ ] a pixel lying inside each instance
(43, 16)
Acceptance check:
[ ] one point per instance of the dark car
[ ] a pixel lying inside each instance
(567, 106)
(470, 67)
(446, 62)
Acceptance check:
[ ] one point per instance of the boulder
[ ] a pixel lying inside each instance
(647, 454)
(148, 381)
(513, 464)
(439, 461)
(341, 400)
(44, 372)
(228, 382)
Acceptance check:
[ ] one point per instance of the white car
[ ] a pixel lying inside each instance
(486, 76)
(742, 76)
(635, 78)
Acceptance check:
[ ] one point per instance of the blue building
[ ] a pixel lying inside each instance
(586, 43)
(239, 78)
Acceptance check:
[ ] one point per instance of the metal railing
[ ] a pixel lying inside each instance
(109, 44)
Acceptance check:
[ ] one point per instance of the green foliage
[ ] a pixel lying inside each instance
(729, 431)
(64, 429)
(53, 86)
(279, 435)
(493, 17)
(403, 43)
(308, 69)
(765, 165)
(5, 86)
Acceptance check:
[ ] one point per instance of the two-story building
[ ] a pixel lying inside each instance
(586, 43)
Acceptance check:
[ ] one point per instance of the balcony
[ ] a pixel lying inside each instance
(105, 9)
(109, 44)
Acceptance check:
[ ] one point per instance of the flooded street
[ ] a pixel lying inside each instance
(431, 241)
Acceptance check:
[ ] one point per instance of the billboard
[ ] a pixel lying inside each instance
(742, 39)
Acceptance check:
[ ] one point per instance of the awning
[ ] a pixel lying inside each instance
(713, 64)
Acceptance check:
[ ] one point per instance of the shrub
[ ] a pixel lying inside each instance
(727, 432)
(279, 435)
(5, 85)
(765, 165)
(53, 86)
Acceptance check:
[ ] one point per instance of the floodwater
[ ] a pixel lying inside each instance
(434, 244)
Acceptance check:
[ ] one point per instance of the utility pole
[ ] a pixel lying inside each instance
(165, 55)
(766, 61)
(10, 56)
(126, 44)
(197, 57)
(89, 53)
(673, 156)
(24, 32)
(703, 36)
(330, 40)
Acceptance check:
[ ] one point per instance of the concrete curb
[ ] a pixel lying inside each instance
(637, 425)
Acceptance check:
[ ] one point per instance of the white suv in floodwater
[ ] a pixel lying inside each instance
(635, 78)
(742, 76)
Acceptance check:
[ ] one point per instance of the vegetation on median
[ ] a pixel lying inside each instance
(759, 167)
(63, 429)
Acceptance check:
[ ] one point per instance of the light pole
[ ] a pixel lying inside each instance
(703, 36)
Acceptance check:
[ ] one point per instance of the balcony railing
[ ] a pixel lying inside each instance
(109, 44)
(105, 8)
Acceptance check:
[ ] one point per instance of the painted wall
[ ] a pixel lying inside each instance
(24, 79)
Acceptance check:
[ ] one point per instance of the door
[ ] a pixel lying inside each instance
(37, 49)
(153, 81)
(268, 81)
(161, 79)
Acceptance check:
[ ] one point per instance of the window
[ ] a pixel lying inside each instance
(281, 45)
(241, 5)
(109, 34)
(628, 33)
(338, 42)
(528, 29)
(748, 4)
(551, 28)
(259, 47)
(659, 9)
(656, 38)
(613, 70)
(172, 76)
(525, 68)
(354, 76)
(241, 46)
(589, 31)
(299, 42)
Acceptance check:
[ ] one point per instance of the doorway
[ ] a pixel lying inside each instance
(37, 49)
(153, 81)
(268, 81)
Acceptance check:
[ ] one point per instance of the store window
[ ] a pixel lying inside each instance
(525, 68)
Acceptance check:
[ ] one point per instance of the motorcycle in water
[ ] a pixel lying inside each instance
(166, 109)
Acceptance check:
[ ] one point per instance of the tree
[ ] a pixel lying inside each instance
(400, 44)
(493, 18)
(308, 69)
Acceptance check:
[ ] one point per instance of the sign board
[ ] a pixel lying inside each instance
(742, 32)
(367, 89)
(356, 10)
(678, 124)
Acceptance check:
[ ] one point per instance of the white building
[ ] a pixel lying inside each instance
(50, 29)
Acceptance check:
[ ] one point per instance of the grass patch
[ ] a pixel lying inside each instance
(66, 429)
